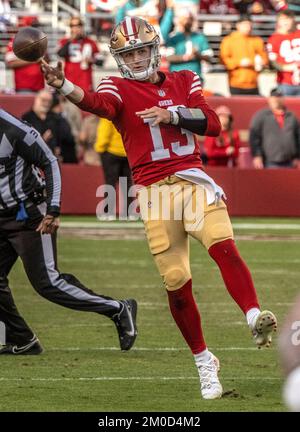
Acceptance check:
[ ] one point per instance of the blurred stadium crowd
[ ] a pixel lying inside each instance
(238, 38)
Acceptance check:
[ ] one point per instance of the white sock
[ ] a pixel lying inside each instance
(202, 357)
(251, 316)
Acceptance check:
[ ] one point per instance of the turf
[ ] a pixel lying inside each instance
(82, 368)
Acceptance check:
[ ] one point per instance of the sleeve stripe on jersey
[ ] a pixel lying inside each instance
(106, 81)
(195, 89)
(112, 92)
(196, 77)
(103, 86)
(196, 83)
(56, 197)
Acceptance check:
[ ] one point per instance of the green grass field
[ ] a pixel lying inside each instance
(82, 368)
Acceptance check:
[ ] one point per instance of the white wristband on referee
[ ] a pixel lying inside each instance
(66, 88)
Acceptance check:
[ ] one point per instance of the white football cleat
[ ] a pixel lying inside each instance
(211, 387)
(265, 325)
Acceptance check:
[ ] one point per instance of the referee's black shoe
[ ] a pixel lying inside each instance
(125, 321)
(32, 348)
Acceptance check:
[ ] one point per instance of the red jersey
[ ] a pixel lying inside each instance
(77, 69)
(153, 152)
(216, 148)
(28, 77)
(217, 7)
(285, 49)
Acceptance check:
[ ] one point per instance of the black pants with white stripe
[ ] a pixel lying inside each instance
(38, 254)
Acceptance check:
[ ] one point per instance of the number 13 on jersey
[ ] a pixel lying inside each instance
(160, 152)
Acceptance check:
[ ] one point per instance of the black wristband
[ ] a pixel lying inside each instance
(53, 211)
(192, 119)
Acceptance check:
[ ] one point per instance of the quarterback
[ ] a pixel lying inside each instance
(157, 115)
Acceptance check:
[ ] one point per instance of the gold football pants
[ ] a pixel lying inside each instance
(171, 210)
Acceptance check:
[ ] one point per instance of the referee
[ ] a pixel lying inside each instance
(29, 210)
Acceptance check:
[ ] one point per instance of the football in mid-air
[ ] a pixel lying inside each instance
(30, 44)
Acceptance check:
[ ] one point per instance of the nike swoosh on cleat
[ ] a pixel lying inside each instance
(130, 333)
(17, 350)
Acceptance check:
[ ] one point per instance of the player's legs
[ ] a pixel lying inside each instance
(16, 328)
(38, 254)
(168, 243)
(216, 235)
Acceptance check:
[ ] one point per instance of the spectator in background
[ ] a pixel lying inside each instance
(87, 138)
(28, 77)
(5, 9)
(73, 115)
(106, 5)
(43, 120)
(293, 5)
(190, 46)
(129, 6)
(79, 53)
(284, 53)
(113, 157)
(146, 9)
(259, 7)
(102, 25)
(224, 149)
(6, 18)
(244, 56)
(275, 135)
(66, 141)
(219, 7)
(192, 5)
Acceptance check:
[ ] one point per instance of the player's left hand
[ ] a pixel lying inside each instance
(159, 115)
(49, 225)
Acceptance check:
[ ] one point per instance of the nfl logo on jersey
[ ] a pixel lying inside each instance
(161, 93)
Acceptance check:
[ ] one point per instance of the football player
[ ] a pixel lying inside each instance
(157, 115)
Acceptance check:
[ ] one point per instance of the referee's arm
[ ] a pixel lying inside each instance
(33, 149)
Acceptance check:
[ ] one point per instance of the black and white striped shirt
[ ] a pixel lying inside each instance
(22, 152)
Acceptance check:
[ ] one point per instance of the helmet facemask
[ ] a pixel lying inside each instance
(154, 62)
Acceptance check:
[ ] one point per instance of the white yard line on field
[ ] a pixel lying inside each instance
(139, 224)
(150, 349)
(137, 378)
